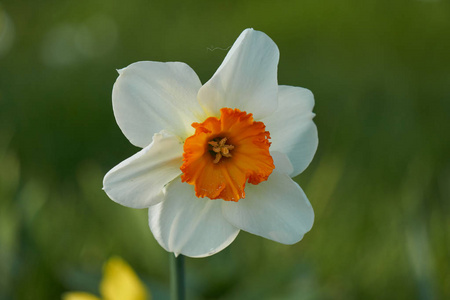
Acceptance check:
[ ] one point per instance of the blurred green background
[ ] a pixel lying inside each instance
(379, 184)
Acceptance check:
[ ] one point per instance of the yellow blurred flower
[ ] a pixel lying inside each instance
(119, 282)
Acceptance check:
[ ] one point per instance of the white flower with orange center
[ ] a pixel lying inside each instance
(216, 158)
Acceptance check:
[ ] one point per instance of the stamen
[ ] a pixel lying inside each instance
(217, 159)
(221, 149)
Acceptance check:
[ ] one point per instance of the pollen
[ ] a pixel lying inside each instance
(226, 153)
(220, 149)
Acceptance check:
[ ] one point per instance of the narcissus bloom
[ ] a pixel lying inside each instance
(216, 158)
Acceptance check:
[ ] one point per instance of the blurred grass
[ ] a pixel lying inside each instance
(380, 182)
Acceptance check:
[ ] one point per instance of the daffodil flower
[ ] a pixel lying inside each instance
(119, 282)
(217, 158)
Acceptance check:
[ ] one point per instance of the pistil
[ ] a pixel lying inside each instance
(220, 148)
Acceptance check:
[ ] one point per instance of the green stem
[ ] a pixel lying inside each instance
(176, 277)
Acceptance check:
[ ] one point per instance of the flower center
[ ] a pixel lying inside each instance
(220, 149)
(224, 154)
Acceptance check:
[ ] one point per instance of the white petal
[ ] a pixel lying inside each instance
(246, 79)
(151, 96)
(192, 226)
(276, 209)
(138, 181)
(291, 127)
(281, 162)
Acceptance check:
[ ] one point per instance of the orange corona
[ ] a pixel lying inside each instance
(223, 154)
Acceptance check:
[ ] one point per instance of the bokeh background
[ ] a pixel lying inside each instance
(379, 183)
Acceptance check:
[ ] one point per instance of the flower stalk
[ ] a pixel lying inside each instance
(177, 290)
